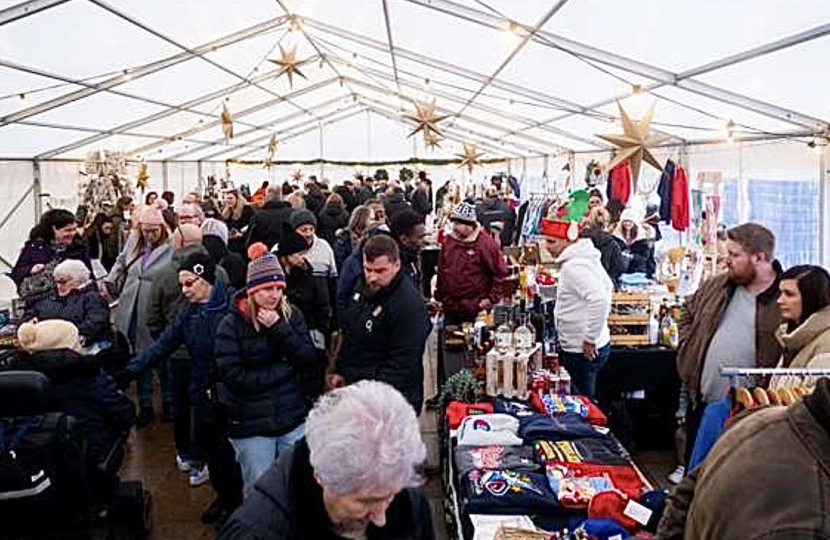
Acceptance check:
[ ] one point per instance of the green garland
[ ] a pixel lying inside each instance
(366, 164)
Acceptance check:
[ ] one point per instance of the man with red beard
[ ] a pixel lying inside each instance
(730, 321)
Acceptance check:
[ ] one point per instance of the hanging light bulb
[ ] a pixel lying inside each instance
(127, 75)
(23, 98)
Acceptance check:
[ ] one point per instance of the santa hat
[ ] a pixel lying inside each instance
(559, 230)
(36, 336)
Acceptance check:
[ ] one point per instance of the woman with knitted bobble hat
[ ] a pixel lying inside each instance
(263, 348)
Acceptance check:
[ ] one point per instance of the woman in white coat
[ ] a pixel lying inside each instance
(147, 249)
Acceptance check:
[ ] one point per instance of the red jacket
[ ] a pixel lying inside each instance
(468, 272)
(680, 200)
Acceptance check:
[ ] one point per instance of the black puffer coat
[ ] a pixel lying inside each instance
(260, 372)
(612, 257)
(83, 307)
(79, 388)
(332, 218)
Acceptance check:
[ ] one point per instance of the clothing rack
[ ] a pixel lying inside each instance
(734, 373)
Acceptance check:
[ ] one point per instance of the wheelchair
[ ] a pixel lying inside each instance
(48, 487)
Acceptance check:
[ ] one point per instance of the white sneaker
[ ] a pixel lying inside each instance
(183, 465)
(199, 476)
(677, 476)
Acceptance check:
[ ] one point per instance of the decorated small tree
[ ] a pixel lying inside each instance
(462, 386)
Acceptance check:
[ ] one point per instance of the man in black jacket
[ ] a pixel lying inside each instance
(385, 324)
(269, 224)
(494, 210)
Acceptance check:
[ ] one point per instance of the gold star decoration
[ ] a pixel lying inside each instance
(431, 140)
(270, 152)
(426, 119)
(635, 142)
(469, 157)
(289, 65)
(227, 122)
(297, 176)
(142, 177)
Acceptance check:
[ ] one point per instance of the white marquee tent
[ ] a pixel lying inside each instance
(739, 87)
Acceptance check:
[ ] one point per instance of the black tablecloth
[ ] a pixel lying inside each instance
(639, 389)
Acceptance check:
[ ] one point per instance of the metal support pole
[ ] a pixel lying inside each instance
(37, 190)
(321, 147)
(165, 176)
(368, 135)
(199, 176)
(824, 209)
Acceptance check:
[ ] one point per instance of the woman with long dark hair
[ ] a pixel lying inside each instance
(804, 301)
(53, 240)
(237, 214)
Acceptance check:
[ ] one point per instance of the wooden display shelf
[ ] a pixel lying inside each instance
(623, 320)
(628, 340)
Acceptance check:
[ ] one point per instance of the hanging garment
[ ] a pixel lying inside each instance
(680, 200)
(664, 190)
(620, 180)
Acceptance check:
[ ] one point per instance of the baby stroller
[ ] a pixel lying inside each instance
(48, 487)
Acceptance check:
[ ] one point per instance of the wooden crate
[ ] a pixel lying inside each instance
(629, 340)
(636, 324)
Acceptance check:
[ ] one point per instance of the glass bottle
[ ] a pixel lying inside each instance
(524, 336)
(504, 337)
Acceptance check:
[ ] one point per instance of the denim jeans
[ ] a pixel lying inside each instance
(256, 454)
(583, 371)
(145, 385)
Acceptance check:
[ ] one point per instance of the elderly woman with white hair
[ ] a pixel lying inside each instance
(76, 299)
(353, 476)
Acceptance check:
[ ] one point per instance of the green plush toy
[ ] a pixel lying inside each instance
(577, 205)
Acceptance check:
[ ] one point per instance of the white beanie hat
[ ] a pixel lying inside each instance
(465, 213)
(214, 227)
(35, 336)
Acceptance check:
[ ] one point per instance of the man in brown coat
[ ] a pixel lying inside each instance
(730, 322)
(767, 478)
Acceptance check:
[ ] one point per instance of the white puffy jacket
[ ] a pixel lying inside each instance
(583, 298)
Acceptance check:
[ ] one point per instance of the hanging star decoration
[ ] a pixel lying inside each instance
(635, 143)
(289, 65)
(470, 157)
(426, 119)
(297, 176)
(227, 122)
(270, 152)
(142, 177)
(431, 140)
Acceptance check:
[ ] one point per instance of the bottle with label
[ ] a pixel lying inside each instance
(504, 338)
(524, 336)
(674, 334)
(493, 382)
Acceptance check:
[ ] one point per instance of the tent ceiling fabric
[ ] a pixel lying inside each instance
(518, 78)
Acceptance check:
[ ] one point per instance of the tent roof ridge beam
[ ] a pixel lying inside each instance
(135, 22)
(239, 114)
(516, 50)
(268, 125)
(453, 69)
(286, 134)
(485, 108)
(137, 73)
(627, 64)
(155, 116)
(25, 9)
(761, 50)
(391, 43)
